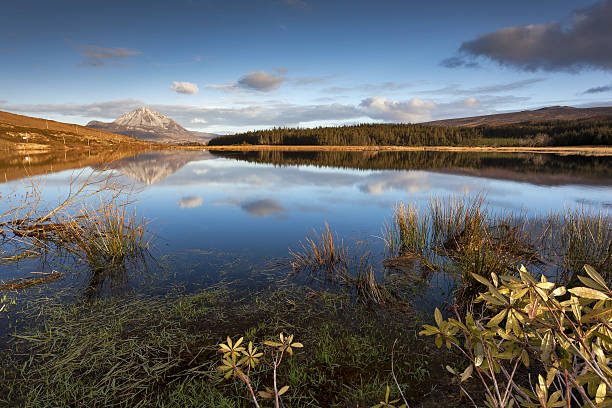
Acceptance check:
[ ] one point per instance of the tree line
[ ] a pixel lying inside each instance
(593, 131)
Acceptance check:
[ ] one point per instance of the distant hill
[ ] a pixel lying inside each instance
(544, 114)
(24, 133)
(146, 124)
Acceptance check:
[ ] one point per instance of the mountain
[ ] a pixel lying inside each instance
(544, 114)
(146, 124)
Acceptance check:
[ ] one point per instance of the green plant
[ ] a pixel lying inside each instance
(565, 330)
(388, 404)
(237, 358)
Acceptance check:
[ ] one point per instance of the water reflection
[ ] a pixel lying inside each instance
(211, 209)
(152, 167)
(14, 165)
(545, 169)
(190, 202)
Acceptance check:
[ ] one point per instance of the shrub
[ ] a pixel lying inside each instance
(565, 331)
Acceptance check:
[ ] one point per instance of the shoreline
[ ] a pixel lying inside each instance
(25, 149)
(560, 150)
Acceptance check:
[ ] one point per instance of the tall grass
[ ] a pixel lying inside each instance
(323, 250)
(460, 235)
(106, 238)
(324, 257)
(90, 227)
(580, 237)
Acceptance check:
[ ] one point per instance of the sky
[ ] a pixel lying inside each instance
(230, 66)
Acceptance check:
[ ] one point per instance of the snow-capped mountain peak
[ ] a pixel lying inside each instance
(147, 118)
(146, 124)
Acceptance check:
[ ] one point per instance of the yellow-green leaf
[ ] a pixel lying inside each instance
(601, 393)
(467, 373)
(595, 276)
(438, 317)
(479, 354)
(588, 293)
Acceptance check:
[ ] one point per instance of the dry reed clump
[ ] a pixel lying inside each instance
(325, 258)
(463, 237)
(107, 238)
(104, 236)
(323, 250)
(580, 237)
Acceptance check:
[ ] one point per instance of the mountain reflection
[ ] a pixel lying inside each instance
(152, 167)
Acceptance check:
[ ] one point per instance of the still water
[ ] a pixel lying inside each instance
(231, 215)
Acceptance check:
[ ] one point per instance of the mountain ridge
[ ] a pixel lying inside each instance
(542, 114)
(146, 124)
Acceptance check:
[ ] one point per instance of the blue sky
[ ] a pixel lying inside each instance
(224, 66)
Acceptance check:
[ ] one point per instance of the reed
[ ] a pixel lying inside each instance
(578, 237)
(323, 251)
(91, 226)
(461, 237)
(407, 233)
(325, 258)
(107, 238)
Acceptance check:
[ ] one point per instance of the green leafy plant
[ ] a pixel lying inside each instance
(566, 332)
(237, 358)
(388, 404)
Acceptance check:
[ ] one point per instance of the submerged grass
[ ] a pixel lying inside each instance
(462, 237)
(459, 236)
(580, 237)
(105, 239)
(325, 259)
(162, 352)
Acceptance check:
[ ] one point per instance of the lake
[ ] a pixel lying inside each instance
(230, 256)
(231, 216)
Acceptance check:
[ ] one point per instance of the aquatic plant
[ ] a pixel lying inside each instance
(325, 258)
(460, 236)
(565, 330)
(90, 226)
(579, 237)
(322, 250)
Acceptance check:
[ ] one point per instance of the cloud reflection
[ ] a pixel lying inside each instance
(190, 202)
(256, 208)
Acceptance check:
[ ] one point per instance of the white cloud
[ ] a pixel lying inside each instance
(254, 81)
(261, 81)
(472, 103)
(199, 121)
(414, 110)
(185, 88)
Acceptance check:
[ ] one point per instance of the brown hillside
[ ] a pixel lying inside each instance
(24, 133)
(544, 114)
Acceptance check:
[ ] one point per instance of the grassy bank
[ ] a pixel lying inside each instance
(162, 351)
